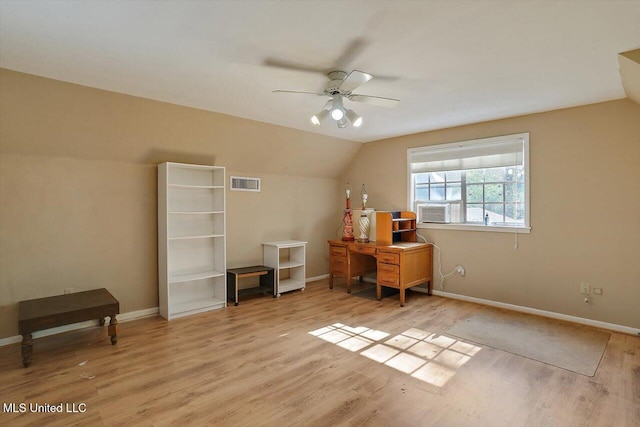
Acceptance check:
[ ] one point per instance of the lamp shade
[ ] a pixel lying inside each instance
(355, 119)
(337, 110)
(316, 119)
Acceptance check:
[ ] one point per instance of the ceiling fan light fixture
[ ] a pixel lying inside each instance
(337, 110)
(355, 119)
(316, 119)
(342, 85)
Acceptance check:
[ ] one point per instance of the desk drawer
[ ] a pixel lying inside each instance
(338, 251)
(369, 250)
(388, 279)
(338, 263)
(389, 257)
(337, 268)
(338, 260)
(388, 269)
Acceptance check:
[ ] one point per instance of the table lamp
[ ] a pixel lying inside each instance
(347, 220)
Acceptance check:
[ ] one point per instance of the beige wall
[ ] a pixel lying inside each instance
(69, 223)
(78, 205)
(78, 197)
(585, 212)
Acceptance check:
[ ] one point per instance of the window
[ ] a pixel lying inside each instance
(480, 184)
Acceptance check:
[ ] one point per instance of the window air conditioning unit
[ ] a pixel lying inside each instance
(435, 213)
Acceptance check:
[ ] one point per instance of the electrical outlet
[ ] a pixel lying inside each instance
(597, 291)
(585, 288)
(460, 269)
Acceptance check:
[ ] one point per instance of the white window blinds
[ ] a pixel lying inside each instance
(476, 154)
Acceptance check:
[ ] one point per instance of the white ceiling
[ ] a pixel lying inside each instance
(449, 62)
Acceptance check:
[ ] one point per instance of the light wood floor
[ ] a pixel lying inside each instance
(270, 362)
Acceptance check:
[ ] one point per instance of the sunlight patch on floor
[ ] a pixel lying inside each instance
(355, 343)
(380, 353)
(432, 358)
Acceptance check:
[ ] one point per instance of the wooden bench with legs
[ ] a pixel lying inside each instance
(267, 285)
(50, 312)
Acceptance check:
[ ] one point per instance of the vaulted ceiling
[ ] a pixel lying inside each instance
(449, 62)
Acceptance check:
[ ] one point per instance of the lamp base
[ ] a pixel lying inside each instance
(363, 225)
(347, 231)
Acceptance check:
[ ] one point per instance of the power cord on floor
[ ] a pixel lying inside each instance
(442, 276)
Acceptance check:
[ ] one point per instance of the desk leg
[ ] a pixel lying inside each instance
(378, 291)
(113, 329)
(27, 350)
(330, 280)
(349, 281)
(402, 295)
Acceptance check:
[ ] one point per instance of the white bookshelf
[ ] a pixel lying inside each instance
(287, 257)
(191, 239)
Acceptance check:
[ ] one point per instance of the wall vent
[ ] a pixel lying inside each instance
(243, 183)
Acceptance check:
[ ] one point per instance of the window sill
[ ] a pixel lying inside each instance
(474, 227)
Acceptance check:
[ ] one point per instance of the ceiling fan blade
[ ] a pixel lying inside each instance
(354, 80)
(350, 53)
(278, 63)
(297, 91)
(374, 100)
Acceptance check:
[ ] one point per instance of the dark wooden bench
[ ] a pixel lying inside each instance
(267, 281)
(44, 313)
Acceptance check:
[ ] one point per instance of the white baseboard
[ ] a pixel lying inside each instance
(544, 313)
(313, 279)
(138, 314)
(123, 317)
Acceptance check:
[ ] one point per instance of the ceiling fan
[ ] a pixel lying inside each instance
(340, 86)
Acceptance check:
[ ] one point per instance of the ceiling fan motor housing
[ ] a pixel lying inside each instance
(336, 79)
(337, 75)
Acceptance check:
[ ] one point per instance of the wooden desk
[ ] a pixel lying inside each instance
(44, 313)
(401, 265)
